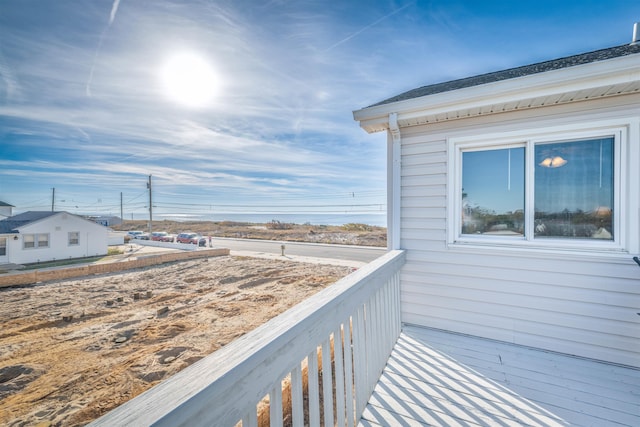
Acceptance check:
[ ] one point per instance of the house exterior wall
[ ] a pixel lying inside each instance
(584, 303)
(4, 241)
(92, 240)
(6, 211)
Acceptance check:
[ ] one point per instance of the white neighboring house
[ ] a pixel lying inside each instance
(47, 236)
(6, 210)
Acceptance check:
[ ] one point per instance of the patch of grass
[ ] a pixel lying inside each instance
(62, 262)
(357, 227)
(114, 251)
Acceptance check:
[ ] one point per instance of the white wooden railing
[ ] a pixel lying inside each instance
(262, 377)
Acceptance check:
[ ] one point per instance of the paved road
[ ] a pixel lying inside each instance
(363, 254)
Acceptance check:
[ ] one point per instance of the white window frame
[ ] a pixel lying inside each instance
(77, 240)
(621, 132)
(36, 240)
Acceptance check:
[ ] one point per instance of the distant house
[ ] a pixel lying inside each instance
(6, 210)
(516, 196)
(46, 236)
(107, 221)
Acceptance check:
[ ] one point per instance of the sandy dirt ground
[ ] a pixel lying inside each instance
(72, 350)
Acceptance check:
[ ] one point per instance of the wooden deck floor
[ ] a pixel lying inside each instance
(442, 379)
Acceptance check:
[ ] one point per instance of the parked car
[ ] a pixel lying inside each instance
(136, 234)
(185, 237)
(193, 238)
(169, 238)
(161, 236)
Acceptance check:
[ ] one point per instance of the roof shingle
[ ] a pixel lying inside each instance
(555, 64)
(9, 225)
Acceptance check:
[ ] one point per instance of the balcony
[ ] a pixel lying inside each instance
(368, 369)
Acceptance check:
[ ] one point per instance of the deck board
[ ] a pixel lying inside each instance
(443, 379)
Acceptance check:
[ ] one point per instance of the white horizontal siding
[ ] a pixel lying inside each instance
(93, 239)
(581, 304)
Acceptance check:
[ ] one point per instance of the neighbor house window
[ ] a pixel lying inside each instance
(3, 246)
(542, 191)
(28, 241)
(39, 240)
(74, 238)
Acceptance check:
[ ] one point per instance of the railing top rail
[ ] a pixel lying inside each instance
(246, 369)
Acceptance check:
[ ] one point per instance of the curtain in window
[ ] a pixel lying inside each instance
(574, 189)
(28, 241)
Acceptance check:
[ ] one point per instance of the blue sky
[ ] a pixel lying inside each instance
(84, 108)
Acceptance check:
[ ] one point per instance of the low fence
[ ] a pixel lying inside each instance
(48, 274)
(316, 364)
(168, 245)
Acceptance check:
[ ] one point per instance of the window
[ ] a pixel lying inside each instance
(560, 190)
(3, 246)
(574, 189)
(74, 238)
(40, 240)
(493, 191)
(28, 241)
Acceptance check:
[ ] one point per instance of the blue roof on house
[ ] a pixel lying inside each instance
(6, 204)
(9, 225)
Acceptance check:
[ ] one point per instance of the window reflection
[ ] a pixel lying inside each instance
(575, 198)
(493, 192)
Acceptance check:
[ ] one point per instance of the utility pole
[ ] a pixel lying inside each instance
(121, 211)
(53, 199)
(150, 206)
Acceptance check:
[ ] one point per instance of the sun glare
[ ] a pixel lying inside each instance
(189, 80)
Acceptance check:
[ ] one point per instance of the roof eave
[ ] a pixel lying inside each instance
(605, 78)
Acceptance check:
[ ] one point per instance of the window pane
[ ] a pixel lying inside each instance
(3, 246)
(493, 192)
(574, 189)
(28, 241)
(74, 238)
(43, 240)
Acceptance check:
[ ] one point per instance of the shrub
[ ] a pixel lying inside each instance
(277, 225)
(356, 227)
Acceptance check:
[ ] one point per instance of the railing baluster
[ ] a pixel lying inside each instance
(360, 360)
(297, 400)
(314, 389)
(339, 374)
(348, 372)
(250, 419)
(397, 321)
(275, 406)
(327, 383)
(376, 339)
(370, 348)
